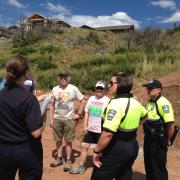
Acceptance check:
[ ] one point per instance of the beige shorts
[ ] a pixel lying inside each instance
(64, 129)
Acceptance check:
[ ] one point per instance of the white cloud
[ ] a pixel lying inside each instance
(119, 18)
(174, 18)
(149, 19)
(64, 13)
(165, 4)
(15, 3)
(57, 8)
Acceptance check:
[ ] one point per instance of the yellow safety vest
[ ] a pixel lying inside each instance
(164, 108)
(116, 110)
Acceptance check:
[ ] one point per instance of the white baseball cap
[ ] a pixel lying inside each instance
(100, 84)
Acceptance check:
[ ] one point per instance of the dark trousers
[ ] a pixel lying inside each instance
(155, 158)
(117, 161)
(25, 157)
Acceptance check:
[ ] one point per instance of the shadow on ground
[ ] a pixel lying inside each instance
(139, 176)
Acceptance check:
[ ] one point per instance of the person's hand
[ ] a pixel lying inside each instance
(96, 160)
(76, 116)
(52, 123)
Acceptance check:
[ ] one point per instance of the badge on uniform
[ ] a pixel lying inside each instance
(152, 107)
(111, 114)
(166, 108)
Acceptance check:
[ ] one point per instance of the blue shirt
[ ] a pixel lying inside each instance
(2, 82)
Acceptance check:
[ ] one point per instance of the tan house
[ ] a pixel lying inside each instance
(37, 20)
(116, 29)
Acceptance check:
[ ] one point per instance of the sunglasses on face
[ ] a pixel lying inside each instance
(111, 83)
(99, 88)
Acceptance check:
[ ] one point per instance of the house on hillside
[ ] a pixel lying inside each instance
(37, 20)
(87, 27)
(116, 29)
(4, 32)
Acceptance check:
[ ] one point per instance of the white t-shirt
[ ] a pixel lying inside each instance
(95, 108)
(64, 101)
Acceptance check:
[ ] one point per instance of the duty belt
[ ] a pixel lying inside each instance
(126, 135)
(154, 128)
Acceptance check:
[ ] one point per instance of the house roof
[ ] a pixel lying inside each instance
(3, 28)
(86, 27)
(59, 21)
(36, 16)
(115, 27)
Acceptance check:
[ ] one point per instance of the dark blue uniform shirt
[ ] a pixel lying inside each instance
(19, 115)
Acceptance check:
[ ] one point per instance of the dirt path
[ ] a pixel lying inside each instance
(138, 168)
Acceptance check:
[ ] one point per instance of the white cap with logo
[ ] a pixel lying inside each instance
(100, 84)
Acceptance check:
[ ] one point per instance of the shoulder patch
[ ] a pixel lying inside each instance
(111, 114)
(166, 108)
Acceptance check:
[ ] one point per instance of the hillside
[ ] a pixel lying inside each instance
(94, 55)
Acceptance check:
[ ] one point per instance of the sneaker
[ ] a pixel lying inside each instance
(77, 170)
(67, 166)
(57, 162)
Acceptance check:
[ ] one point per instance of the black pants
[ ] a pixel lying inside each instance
(155, 158)
(117, 161)
(25, 157)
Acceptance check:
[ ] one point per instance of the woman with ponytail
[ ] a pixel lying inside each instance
(21, 126)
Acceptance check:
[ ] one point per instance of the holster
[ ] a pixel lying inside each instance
(156, 131)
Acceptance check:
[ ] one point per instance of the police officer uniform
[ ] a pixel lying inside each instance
(122, 118)
(19, 116)
(160, 112)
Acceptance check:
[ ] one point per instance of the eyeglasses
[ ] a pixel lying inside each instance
(111, 83)
(99, 88)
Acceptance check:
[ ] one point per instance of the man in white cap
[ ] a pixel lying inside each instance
(92, 123)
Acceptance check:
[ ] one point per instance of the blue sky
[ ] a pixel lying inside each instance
(95, 13)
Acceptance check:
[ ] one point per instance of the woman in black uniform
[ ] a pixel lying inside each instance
(20, 126)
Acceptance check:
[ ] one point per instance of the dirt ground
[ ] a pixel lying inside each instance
(171, 84)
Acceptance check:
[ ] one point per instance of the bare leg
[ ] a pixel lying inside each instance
(59, 147)
(68, 150)
(84, 152)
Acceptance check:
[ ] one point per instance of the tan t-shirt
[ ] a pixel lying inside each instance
(64, 101)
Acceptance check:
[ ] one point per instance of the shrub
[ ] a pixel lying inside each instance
(2, 63)
(44, 63)
(24, 51)
(120, 49)
(50, 49)
(47, 80)
(94, 38)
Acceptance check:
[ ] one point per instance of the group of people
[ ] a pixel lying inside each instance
(110, 123)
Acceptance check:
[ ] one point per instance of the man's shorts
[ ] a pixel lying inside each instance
(64, 129)
(91, 137)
